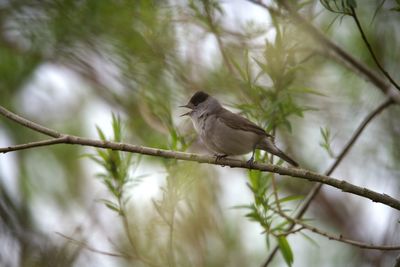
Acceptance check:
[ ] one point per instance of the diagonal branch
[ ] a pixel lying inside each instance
(316, 188)
(28, 124)
(47, 142)
(371, 51)
(233, 163)
(309, 28)
(83, 244)
(330, 236)
(215, 31)
(346, 149)
(320, 37)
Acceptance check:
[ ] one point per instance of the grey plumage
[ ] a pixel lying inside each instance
(226, 133)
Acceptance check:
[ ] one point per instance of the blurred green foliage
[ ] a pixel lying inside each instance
(141, 59)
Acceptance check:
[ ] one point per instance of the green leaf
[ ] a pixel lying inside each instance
(242, 72)
(114, 208)
(312, 241)
(289, 198)
(116, 125)
(242, 207)
(279, 226)
(301, 90)
(262, 66)
(285, 249)
(268, 241)
(100, 133)
(111, 205)
(326, 141)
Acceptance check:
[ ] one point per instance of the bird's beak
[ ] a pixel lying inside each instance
(189, 105)
(186, 114)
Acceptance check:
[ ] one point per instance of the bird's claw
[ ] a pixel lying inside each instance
(251, 162)
(219, 156)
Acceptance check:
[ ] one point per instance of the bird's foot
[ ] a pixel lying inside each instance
(219, 156)
(251, 162)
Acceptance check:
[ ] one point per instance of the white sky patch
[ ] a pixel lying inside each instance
(98, 113)
(54, 89)
(234, 193)
(8, 168)
(51, 92)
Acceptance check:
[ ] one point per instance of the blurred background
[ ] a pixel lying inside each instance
(120, 69)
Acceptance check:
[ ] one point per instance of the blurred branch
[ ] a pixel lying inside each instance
(273, 180)
(358, 132)
(330, 236)
(233, 163)
(397, 263)
(84, 245)
(294, 231)
(29, 124)
(364, 37)
(320, 37)
(214, 30)
(47, 142)
(314, 191)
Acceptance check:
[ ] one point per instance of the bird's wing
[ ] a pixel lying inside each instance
(239, 122)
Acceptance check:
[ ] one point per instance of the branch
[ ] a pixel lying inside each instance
(29, 124)
(83, 244)
(321, 38)
(344, 151)
(233, 163)
(397, 263)
(316, 188)
(47, 142)
(214, 30)
(330, 236)
(364, 37)
(358, 132)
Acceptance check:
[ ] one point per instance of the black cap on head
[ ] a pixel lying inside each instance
(198, 98)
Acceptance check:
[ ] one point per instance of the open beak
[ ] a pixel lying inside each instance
(186, 114)
(189, 105)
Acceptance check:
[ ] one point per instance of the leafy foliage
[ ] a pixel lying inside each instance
(340, 6)
(326, 141)
(142, 59)
(263, 212)
(117, 166)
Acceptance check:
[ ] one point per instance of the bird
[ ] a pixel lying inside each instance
(226, 133)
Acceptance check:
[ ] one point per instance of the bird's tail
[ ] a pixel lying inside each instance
(268, 145)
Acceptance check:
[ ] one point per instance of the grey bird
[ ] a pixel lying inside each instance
(226, 133)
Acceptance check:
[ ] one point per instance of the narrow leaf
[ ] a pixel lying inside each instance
(285, 249)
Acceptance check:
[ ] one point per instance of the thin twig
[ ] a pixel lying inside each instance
(233, 163)
(171, 225)
(84, 245)
(371, 51)
(294, 231)
(358, 132)
(321, 38)
(126, 226)
(274, 186)
(47, 142)
(29, 124)
(397, 262)
(316, 188)
(353, 62)
(330, 236)
(214, 30)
